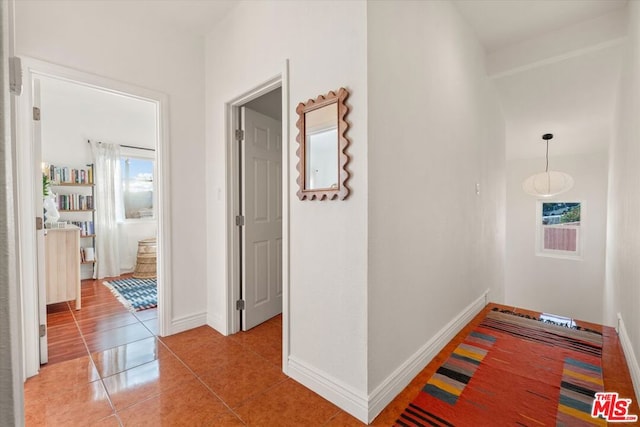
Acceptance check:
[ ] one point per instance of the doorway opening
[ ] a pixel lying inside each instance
(260, 202)
(77, 122)
(75, 108)
(257, 193)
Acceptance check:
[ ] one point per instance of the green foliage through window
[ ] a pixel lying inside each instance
(560, 213)
(572, 215)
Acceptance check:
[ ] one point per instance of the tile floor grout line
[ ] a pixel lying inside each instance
(225, 403)
(332, 417)
(75, 321)
(246, 348)
(249, 399)
(196, 376)
(93, 363)
(104, 386)
(106, 391)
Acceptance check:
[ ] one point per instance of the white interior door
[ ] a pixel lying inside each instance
(40, 231)
(261, 206)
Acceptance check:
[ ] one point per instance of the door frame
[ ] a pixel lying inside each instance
(232, 119)
(25, 157)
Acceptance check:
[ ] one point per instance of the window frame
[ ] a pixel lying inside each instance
(554, 253)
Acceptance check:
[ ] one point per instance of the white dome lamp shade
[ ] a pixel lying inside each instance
(547, 183)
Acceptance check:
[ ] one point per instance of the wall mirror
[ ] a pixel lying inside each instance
(322, 144)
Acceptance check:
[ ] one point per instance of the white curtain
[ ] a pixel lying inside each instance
(107, 204)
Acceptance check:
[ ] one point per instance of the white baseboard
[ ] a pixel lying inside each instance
(330, 388)
(187, 322)
(405, 373)
(215, 321)
(630, 356)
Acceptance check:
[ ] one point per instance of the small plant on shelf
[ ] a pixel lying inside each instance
(46, 185)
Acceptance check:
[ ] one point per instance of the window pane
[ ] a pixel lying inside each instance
(560, 239)
(561, 227)
(137, 187)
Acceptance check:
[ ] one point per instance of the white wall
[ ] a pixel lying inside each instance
(130, 233)
(572, 288)
(100, 37)
(73, 113)
(435, 130)
(622, 292)
(328, 274)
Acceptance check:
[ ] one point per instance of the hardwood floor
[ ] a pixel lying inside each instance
(108, 367)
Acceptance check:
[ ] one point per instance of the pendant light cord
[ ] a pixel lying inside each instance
(547, 168)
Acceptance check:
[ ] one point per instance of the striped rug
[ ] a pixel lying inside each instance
(135, 294)
(513, 371)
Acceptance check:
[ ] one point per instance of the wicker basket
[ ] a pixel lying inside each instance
(146, 261)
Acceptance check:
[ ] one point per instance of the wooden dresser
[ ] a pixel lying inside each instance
(62, 264)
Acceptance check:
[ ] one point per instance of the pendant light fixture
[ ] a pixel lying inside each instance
(547, 183)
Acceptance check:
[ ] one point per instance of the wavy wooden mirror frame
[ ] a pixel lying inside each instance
(338, 190)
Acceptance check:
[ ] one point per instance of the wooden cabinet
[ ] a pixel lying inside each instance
(62, 264)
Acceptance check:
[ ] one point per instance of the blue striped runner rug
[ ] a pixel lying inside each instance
(135, 294)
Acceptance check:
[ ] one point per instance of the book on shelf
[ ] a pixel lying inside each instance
(66, 175)
(75, 202)
(86, 228)
(87, 254)
(90, 254)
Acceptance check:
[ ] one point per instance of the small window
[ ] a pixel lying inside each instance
(137, 187)
(559, 229)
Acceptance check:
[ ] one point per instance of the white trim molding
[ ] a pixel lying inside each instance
(228, 321)
(232, 110)
(185, 323)
(33, 68)
(330, 388)
(629, 355)
(405, 373)
(216, 322)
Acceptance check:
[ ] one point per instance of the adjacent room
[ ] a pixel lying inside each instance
(100, 226)
(353, 212)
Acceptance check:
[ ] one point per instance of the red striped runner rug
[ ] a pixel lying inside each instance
(513, 370)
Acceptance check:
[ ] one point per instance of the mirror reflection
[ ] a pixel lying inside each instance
(321, 148)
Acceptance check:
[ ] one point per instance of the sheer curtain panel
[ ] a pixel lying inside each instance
(107, 203)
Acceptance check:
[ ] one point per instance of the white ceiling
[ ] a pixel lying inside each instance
(570, 91)
(573, 99)
(192, 16)
(500, 23)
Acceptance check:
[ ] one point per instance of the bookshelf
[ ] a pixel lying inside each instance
(75, 194)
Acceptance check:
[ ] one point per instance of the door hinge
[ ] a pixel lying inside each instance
(15, 75)
(240, 220)
(239, 135)
(38, 223)
(36, 114)
(240, 304)
(43, 330)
